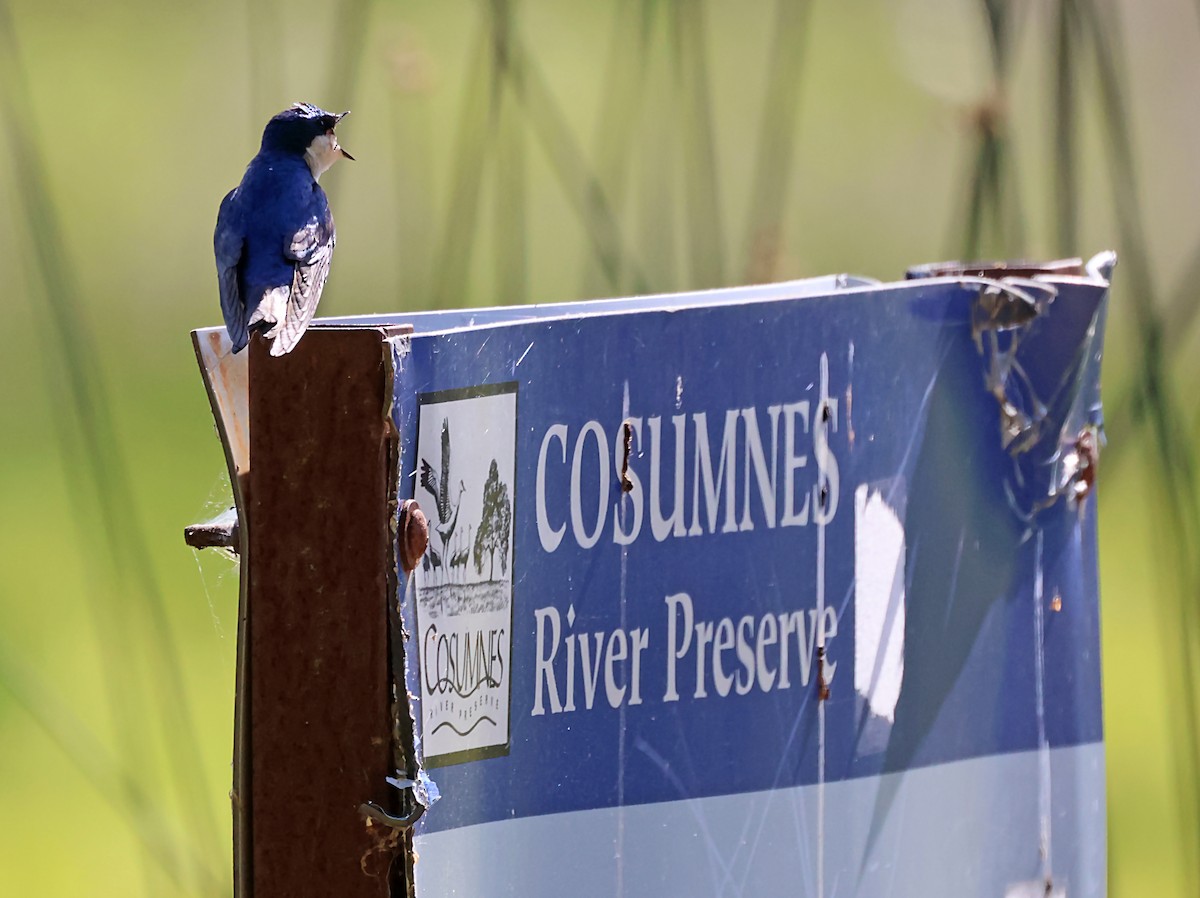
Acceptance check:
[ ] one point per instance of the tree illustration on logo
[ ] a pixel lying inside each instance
(496, 526)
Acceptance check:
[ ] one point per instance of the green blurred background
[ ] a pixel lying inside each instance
(517, 152)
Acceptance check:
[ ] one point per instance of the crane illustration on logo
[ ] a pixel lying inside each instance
(438, 484)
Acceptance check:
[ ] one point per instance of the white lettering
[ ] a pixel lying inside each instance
(726, 473)
(587, 540)
(661, 526)
(792, 461)
(641, 639)
(746, 455)
(831, 625)
(617, 651)
(766, 675)
(549, 537)
(745, 630)
(722, 642)
(756, 456)
(827, 466)
(680, 602)
(591, 670)
(544, 666)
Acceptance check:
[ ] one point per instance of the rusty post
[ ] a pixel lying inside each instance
(320, 688)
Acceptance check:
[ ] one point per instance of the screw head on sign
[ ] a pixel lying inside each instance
(414, 534)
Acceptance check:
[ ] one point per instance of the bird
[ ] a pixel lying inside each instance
(431, 560)
(274, 237)
(459, 558)
(438, 483)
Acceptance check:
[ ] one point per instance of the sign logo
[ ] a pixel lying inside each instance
(465, 468)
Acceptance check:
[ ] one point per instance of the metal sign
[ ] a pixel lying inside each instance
(778, 590)
(789, 590)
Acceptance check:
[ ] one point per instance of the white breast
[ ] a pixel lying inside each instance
(322, 153)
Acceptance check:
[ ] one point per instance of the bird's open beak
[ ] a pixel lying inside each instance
(341, 149)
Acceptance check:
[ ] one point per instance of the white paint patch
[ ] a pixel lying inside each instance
(879, 597)
(1034, 888)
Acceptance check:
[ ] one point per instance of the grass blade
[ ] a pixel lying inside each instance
(1178, 319)
(1066, 121)
(512, 275)
(702, 184)
(1175, 463)
(350, 22)
(581, 186)
(412, 141)
(117, 784)
(994, 189)
(454, 253)
(657, 228)
(977, 194)
(266, 68)
(621, 104)
(95, 456)
(773, 163)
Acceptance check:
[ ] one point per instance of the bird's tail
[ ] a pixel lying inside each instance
(271, 314)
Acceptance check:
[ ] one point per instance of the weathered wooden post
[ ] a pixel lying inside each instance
(315, 723)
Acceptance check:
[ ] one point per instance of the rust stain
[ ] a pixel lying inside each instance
(626, 483)
(415, 529)
(1087, 452)
(376, 861)
(822, 683)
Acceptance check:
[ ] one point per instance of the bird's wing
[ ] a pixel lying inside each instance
(444, 497)
(229, 238)
(311, 248)
(429, 480)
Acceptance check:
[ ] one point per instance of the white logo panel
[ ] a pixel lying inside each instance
(465, 470)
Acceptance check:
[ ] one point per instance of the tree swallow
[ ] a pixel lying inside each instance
(275, 237)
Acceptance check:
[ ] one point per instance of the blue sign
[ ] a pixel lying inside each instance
(786, 590)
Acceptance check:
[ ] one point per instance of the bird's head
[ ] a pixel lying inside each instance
(306, 130)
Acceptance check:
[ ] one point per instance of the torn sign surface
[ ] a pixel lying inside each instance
(663, 529)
